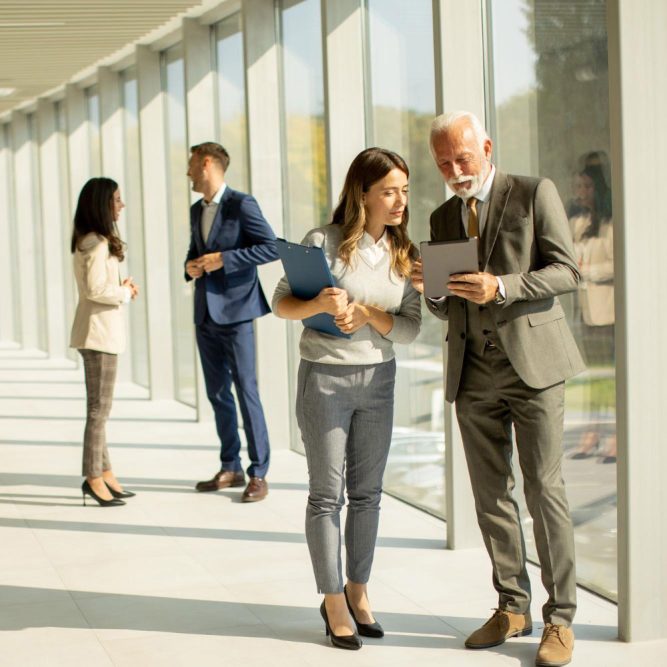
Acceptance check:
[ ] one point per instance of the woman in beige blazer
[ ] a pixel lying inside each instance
(98, 331)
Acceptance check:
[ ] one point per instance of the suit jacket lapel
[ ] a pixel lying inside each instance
(219, 216)
(196, 228)
(500, 191)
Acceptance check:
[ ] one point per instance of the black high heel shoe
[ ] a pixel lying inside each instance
(120, 494)
(350, 642)
(365, 629)
(86, 490)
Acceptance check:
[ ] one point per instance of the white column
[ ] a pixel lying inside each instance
(459, 39)
(156, 222)
(638, 98)
(52, 229)
(111, 137)
(9, 284)
(200, 103)
(344, 87)
(25, 213)
(266, 185)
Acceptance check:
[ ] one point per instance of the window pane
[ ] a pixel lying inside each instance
(233, 131)
(179, 227)
(94, 143)
(135, 226)
(305, 164)
(549, 100)
(402, 106)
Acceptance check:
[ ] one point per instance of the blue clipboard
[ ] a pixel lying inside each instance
(308, 274)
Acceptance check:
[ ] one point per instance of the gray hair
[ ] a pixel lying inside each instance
(444, 122)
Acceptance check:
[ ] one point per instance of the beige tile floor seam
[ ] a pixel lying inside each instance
(179, 578)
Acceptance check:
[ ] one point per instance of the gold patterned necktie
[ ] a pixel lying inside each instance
(473, 223)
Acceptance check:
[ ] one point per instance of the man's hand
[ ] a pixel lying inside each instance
(476, 287)
(193, 269)
(417, 276)
(356, 315)
(210, 262)
(332, 300)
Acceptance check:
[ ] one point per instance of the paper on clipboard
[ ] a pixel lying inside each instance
(440, 259)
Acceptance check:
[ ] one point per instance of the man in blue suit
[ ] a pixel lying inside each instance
(229, 237)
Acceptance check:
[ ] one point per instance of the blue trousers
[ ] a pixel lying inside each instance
(228, 355)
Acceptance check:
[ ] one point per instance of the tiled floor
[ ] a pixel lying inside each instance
(180, 578)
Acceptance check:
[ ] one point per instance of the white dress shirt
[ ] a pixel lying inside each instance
(372, 251)
(209, 211)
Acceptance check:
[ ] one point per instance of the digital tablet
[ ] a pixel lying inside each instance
(440, 259)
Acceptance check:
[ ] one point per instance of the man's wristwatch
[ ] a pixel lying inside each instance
(499, 299)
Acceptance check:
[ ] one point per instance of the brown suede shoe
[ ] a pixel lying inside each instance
(256, 490)
(501, 626)
(223, 480)
(556, 646)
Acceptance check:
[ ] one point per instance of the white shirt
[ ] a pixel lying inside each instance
(209, 211)
(371, 251)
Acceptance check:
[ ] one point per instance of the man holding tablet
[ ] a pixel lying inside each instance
(509, 353)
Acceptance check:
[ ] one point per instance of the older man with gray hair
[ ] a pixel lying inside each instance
(509, 353)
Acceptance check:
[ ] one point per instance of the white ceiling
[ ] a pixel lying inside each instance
(45, 43)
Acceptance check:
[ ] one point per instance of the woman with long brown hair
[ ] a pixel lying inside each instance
(345, 393)
(98, 331)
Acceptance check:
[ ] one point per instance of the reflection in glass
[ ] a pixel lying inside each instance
(402, 86)
(94, 142)
(305, 161)
(38, 234)
(232, 125)
(549, 101)
(173, 77)
(134, 226)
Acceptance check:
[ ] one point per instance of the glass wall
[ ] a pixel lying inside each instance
(173, 85)
(94, 141)
(401, 106)
(38, 235)
(232, 121)
(304, 158)
(134, 222)
(549, 111)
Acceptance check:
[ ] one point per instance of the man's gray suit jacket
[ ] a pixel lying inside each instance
(527, 243)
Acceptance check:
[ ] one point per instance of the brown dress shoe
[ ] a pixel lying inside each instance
(257, 489)
(556, 646)
(501, 626)
(223, 480)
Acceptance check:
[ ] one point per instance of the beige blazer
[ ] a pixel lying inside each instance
(595, 256)
(98, 321)
(527, 242)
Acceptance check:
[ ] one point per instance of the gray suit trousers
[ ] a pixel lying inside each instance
(491, 398)
(345, 414)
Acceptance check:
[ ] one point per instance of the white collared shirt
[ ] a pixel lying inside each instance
(482, 198)
(209, 211)
(372, 251)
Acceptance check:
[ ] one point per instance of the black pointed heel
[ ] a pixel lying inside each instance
(120, 494)
(349, 642)
(365, 629)
(86, 490)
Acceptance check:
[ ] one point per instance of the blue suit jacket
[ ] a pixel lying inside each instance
(233, 293)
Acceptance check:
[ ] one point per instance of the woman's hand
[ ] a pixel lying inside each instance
(332, 300)
(355, 316)
(132, 286)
